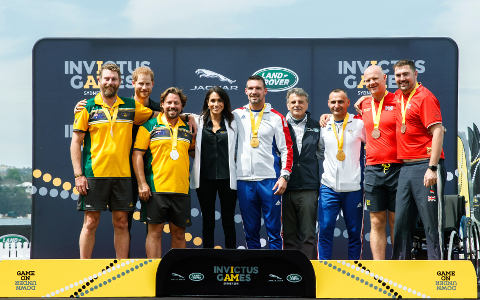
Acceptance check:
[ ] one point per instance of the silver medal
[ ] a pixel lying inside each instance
(174, 155)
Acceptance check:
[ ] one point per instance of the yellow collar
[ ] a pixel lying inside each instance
(159, 120)
(99, 101)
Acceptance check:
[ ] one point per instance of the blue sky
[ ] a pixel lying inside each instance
(23, 22)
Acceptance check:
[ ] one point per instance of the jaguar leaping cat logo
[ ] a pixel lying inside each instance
(211, 74)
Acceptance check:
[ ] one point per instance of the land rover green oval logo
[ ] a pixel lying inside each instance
(196, 277)
(278, 79)
(294, 278)
(13, 238)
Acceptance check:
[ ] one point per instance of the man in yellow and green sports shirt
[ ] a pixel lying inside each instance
(104, 127)
(161, 164)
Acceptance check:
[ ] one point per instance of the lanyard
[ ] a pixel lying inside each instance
(376, 115)
(340, 141)
(256, 125)
(109, 117)
(174, 132)
(404, 107)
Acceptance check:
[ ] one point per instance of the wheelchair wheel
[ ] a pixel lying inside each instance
(466, 234)
(474, 248)
(453, 234)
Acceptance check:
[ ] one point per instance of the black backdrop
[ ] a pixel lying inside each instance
(63, 70)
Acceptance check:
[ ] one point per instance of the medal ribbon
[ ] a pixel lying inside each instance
(173, 130)
(404, 107)
(256, 126)
(334, 127)
(111, 119)
(376, 116)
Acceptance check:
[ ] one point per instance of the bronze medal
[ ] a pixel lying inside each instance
(376, 133)
(340, 155)
(254, 142)
(404, 109)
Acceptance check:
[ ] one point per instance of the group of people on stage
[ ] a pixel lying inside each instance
(268, 161)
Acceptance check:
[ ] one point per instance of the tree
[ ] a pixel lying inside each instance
(15, 199)
(20, 202)
(26, 174)
(14, 174)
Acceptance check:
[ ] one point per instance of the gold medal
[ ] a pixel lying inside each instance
(340, 155)
(254, 142)
(376, 133)
(404, 128)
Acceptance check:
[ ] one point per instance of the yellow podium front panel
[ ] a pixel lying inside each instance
(395, 279)
(78, 278)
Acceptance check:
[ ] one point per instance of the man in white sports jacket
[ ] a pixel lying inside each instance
(264, 164)
(341, 140)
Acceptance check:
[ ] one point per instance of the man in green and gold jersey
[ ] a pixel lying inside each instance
(104, 127)
(161, 163)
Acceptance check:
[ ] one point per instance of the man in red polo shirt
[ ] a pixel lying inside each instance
(422, 176)
(383, 167)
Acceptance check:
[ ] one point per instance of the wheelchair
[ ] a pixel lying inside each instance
(461, 235)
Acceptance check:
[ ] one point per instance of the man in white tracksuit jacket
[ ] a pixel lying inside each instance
(264, 164)
(341, 140)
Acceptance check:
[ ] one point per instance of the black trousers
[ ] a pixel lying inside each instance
(299, 217)
(415, 200)
(207, 195)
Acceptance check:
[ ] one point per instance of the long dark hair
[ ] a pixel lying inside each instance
(227, 108)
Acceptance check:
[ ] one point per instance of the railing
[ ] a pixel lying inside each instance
(15, 250)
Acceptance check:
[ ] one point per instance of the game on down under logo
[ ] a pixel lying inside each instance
(278, 79)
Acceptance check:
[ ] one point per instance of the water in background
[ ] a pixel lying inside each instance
(15, 221)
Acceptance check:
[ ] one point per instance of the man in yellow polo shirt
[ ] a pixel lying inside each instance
(104, 127)
(162, 145)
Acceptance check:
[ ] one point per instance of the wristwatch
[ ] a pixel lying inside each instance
(433, 168)
(286, 177)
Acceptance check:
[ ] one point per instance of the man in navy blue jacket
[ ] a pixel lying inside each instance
(300, 200)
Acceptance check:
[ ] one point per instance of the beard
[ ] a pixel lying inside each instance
(405, 86)
(109, 90)
(172, 113)
(142, 93)
(257, 100)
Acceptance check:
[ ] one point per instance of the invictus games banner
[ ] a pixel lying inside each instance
(65, 71)
(207, 272)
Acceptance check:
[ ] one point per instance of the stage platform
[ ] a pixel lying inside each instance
(245, 273)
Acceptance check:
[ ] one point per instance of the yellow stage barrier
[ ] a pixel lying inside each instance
(395, 279)
(82, 278)
(334, 279)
